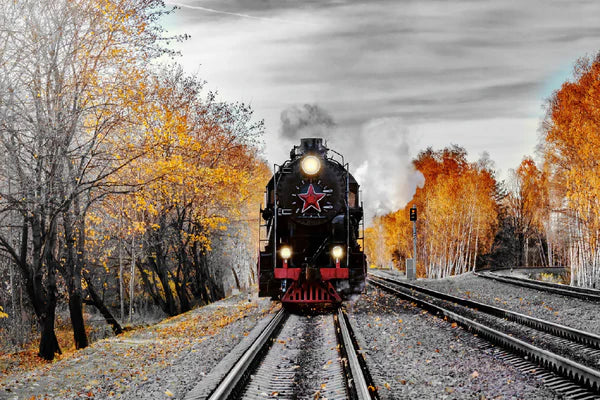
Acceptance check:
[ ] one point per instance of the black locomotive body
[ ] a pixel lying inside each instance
(313, 225)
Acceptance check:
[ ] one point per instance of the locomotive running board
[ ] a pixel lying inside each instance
(311, 292)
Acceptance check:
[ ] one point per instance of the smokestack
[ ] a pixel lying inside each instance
(312, 145)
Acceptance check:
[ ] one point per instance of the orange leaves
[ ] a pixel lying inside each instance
(571, 135)
(457, 217)
(571, 150)
(528, 201)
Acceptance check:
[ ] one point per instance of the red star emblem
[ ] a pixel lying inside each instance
(311, 199)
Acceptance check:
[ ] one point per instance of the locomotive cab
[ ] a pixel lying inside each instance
(310, 252)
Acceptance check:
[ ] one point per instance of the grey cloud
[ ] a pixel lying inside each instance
(305, 120)
(419, 61)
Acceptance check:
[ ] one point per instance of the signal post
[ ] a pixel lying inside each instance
(411, 263)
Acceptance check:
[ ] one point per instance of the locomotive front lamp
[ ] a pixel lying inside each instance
(337, 252)
(285, 252)
(310, 165)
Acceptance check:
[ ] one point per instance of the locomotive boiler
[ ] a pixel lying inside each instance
(310, 251)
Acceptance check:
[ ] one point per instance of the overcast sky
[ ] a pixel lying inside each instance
(395, 76)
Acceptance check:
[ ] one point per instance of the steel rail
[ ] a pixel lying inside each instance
(586, 338)
(227, 386)
(582, 375)
(572, 291)
(359, 380)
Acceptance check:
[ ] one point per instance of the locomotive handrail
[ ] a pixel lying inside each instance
(275, 175)
(333, 159)
(347, 166)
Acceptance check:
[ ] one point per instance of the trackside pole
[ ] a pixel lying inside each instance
(411, 264)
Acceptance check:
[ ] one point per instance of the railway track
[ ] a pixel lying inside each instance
(560, 350)
(557, 288)
(296, 356)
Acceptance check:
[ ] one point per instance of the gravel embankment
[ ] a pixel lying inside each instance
(569, 311)
(160, 362)
(414, 355)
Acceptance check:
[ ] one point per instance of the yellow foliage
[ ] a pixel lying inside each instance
(457, 217)
(571, 151)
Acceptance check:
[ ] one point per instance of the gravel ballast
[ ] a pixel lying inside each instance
(569, 311)
(411, 354)
(414, 355)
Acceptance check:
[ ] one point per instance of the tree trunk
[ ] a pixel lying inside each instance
(43, 294)
(527, 252)
(520, 253)
(199, 281)
(99, 304)
(48, 342)
(47, 297)
(184, 300)
(132, 277)
(151, 287)
(121, 288)
(72, 275)
(77, 321)
(158, 263)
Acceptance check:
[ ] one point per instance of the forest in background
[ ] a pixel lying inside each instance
(124, 186)
(545, 214)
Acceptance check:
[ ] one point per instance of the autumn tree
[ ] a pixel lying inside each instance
(380, 239)
(193, 178)
(571, 147)
(457, 214)
(66, 68)
(527, 205)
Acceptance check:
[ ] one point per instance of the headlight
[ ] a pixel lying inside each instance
(310, 165)
(337, 252)
(285, 252)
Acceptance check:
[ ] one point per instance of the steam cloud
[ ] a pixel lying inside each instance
(308, 120)
(387, 177)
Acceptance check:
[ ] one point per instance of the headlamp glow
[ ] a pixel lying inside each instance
(285, 252)
(337, 252)
(310, 165)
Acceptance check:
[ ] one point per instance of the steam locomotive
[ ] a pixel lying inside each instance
(310, 254)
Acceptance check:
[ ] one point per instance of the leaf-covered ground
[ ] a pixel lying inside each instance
(162, 361)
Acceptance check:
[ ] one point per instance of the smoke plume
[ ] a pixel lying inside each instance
(387, 177)
(308, 120)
